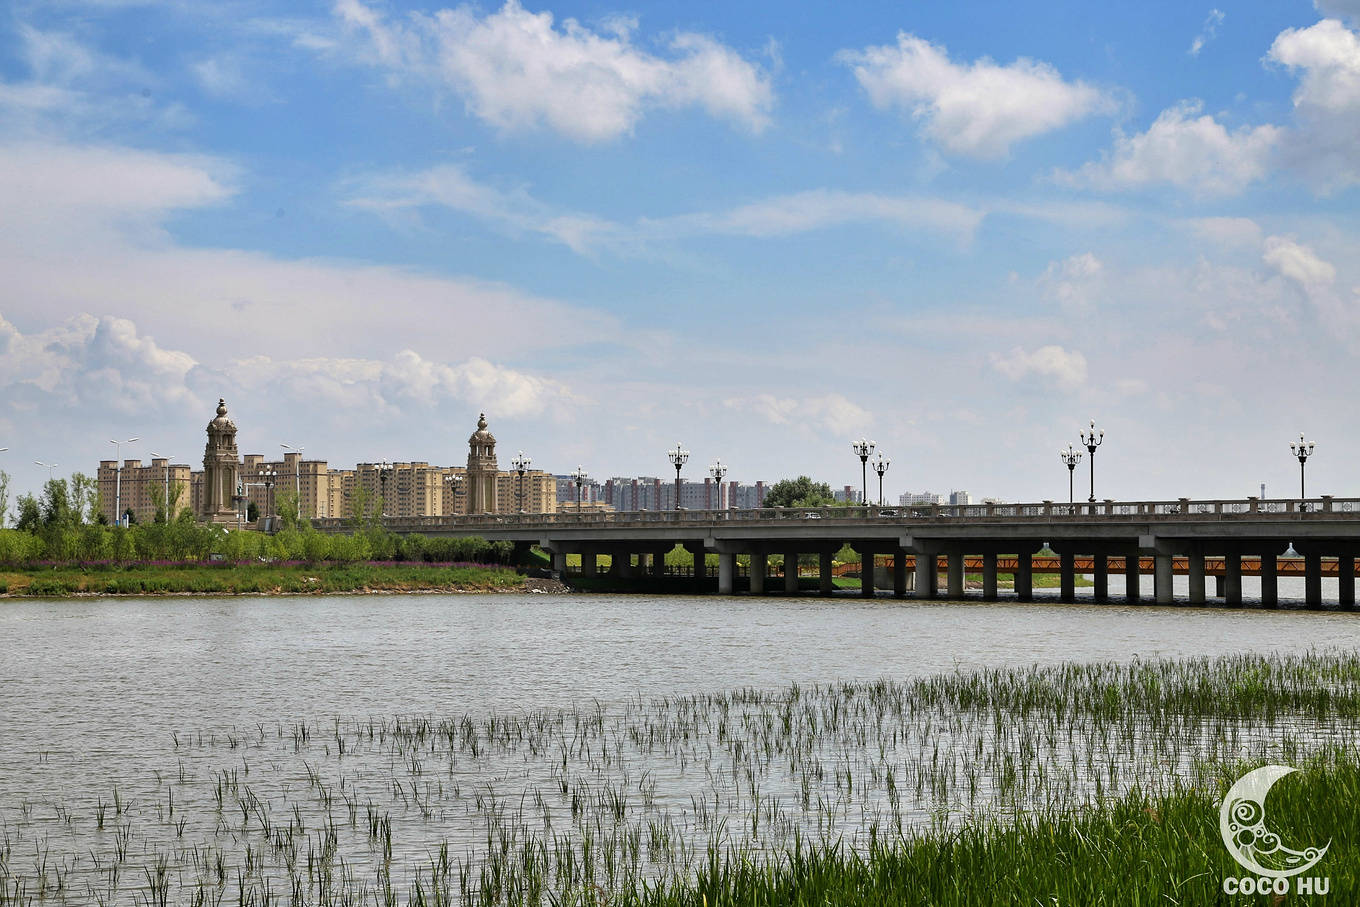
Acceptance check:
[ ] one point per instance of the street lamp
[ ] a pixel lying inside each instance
(863, 448)
(118, 475)
(580, 477)
(1092, 441)
(881, 466)
(678, 458)
(521, 464)
(383, 469)
(297, 473)
(48, 466)
(1303, 450)
(451, 480)
(1071, 458)
(268, 474)
(717, 471)
(167, 483)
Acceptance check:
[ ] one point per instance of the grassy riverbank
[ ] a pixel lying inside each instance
(271, 578)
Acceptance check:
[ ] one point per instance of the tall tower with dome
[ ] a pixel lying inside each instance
(221, 469)
(481, 470)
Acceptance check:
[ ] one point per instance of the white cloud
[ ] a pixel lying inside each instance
(450, 186)
(1185, 149)
(1299, 263)
(1227, 231)
(977, 110)
(1066, 368)
(1073, 282)
(1208, 32)
(517, 70)
(821, 413)
(1326, 102)
(1344, 9)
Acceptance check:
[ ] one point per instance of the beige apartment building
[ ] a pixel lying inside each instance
(141, 487)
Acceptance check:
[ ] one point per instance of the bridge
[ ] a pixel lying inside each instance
(1131, 537)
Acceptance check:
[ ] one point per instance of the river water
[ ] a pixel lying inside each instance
(97, 694)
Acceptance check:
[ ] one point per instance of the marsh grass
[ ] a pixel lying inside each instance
(1084, 783)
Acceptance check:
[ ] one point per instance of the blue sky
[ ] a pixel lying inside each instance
(963, 230)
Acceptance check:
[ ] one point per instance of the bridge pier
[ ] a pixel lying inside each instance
(1270, 586)
(791, 572)
(559, 561)
(1133, 577)
(759, 566)
(659, 563)
(955, 574)
(1101, 574)
(1345, 581)
(1196, 568)
(1312, 580)
(589, 567)
(1161, 578)
(1024, 576)
(927, 575)
(824, 572)
(1067, 591)
(899, 573)
(989, 576)
(1232, 579)
(727, 570)
(696, 552)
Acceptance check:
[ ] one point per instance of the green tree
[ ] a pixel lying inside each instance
(287, 509)
(30, 513)
(4, 497)
(252, 512)
(84, 498)
(799, 492)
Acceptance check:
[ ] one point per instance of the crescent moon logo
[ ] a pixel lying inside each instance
(1242, 822)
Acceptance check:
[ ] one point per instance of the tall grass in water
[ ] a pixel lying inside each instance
(1069, 782)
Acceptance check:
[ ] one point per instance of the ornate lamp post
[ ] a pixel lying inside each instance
(1071, 458)
(297, 475)
(880, 467)
(717, 471)
(167, 483)
(863, 448)
(383, 469)
(678, 458)
(580, 478)
(268, 474)
(521, 464)
(1303, 450)
(118, 475)
(1092, 441)
(451, 481)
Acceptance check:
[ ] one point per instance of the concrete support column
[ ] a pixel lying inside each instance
(1067, 591)
(1270, 585)
(1196, 577)
(1232, 579)
(1101, 574)
(824, 575)
(925, 575)
(1133, 577)
(1312, 580)
(1161, 578)
(659, 563)
(589, 567)
(727, 570)
(956, 575)
(866, 574)
(1345, 581)
(696, 553)
(989, 576)
(559, 561)
(899, 573)
(791, 572)
(759, 566)
(1220, 586)
(1024, 576)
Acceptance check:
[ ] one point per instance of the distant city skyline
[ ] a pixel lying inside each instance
(962, 230)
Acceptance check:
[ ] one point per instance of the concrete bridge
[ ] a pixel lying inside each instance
(1126, 536)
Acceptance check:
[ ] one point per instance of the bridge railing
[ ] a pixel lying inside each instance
(1323, 508)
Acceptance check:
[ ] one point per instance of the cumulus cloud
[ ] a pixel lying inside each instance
(1207, 33)
(519, 70)
(1298, 263)
(1073, 282)
(1326, 102)
(822, 413)
(1343, 9)
(1065, 368)
(978, 109)
(1187, 149)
